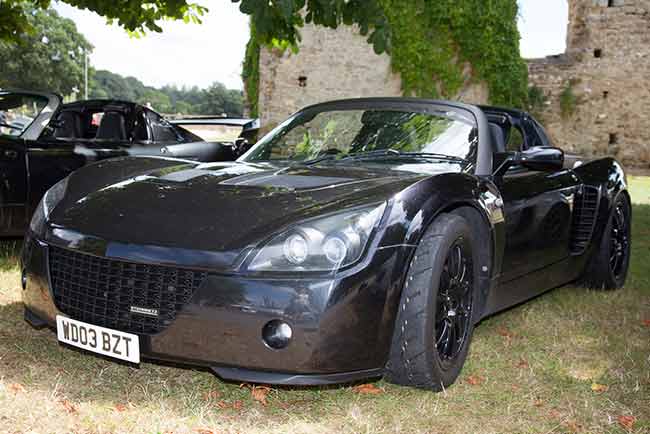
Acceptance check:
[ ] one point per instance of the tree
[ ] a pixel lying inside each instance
(275, 21)
(215, 100)
(50, 57)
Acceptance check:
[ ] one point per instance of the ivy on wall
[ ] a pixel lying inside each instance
(251, 72)
(431, 41)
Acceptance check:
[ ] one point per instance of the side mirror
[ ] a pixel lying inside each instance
(542, 158)
(241, 146)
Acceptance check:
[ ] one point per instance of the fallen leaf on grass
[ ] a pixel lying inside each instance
(554, 414)
(522, 363)
(236, 405)
(506, 333)
(17, 387)
(627, 422)
(204, 431)
(475, 380)
(573, 426)
(599, 388)
(68, 406)
(258, 393)
(538, 403)
(367, 389)
(120, 407)
(212, 395)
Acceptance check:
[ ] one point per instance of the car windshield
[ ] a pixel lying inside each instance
(381, 134)
(214, 132)
(18, 111)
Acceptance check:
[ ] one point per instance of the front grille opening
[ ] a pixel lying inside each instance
(101, 291)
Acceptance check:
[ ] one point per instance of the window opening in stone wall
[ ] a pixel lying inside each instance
(605, 94)
(302, 81)
(613, 139)
(598, 53)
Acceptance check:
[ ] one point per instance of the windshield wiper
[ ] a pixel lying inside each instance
(378, 153)
(13, 127)
(394, 153)
(317, 159)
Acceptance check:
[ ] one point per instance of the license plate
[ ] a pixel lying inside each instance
(112, 343)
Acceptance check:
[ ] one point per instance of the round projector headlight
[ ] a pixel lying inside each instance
(296, 249)
(335, 250)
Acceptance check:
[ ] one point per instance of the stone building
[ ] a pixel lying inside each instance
(331, 64)
(597, 93)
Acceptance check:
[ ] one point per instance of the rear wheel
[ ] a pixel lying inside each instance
(435, 317)
(609, 264)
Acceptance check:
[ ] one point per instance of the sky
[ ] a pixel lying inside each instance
(200, 54)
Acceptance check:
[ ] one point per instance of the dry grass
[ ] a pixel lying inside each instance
(532, 369)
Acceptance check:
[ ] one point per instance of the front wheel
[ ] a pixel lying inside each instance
(609, 264)
(435, 316)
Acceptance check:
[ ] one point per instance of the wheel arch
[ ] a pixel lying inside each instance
(477, 202)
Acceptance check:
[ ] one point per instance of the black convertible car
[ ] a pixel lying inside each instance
(359, 238)
(42, 140)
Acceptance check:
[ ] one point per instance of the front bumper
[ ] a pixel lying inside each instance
(342, 326)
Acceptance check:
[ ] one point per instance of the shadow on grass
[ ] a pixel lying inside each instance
(10, 252)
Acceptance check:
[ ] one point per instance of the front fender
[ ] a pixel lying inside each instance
(415, 208)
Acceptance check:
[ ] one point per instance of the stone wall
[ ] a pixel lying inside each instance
(331, 64)
(607, 68)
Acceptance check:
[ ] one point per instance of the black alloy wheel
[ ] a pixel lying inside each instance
(608, 266)
(620, 245)
(454, 303)
(435, 316)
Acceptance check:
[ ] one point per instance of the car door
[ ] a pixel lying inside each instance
(538, 209)
(23, 116)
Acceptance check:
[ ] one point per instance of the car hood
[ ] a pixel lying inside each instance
(220, 207)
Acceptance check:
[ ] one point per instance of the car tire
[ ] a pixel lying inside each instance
(436, 301)
(608, 266)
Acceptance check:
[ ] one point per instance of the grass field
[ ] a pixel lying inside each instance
(571, 361)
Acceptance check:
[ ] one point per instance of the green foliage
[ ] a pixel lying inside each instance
(429, 42)
(134, 16)
(568, 101)
(215, 100)
(536, 101)
(279, 21)
(251, 72)
(51, 57)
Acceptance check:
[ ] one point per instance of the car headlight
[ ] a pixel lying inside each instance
(322, 244)
(50, 199)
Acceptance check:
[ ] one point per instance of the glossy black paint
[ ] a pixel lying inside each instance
(214, 216)
(31, 163)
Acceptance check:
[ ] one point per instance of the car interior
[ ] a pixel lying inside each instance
(107, 123)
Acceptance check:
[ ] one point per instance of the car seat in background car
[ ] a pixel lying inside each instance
(112, 127)
(69, 126)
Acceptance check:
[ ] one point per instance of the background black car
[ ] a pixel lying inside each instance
(42, 140)
(360, 238)
(234, 135)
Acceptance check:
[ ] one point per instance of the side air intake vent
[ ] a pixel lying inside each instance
(585, 212)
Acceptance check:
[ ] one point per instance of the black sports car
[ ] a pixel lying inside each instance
(359, 238)
(42, 140)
